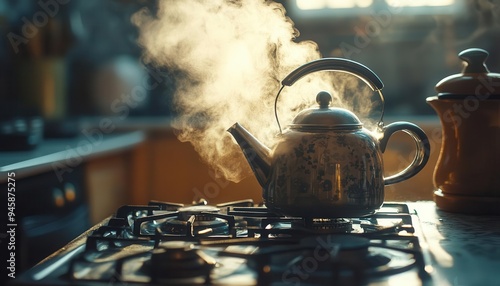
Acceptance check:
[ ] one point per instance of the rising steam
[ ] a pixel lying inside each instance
(232, 55)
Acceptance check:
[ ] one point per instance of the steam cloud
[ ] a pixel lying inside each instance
(231, 56)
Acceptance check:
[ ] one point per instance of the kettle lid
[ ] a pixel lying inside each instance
(475, 79)
(325, 117)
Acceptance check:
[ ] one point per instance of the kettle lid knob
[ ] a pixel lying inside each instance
(325, 118)
(475, 59)
(324, 98)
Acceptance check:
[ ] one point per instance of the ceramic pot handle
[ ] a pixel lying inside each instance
(422, 145)
(336, 64)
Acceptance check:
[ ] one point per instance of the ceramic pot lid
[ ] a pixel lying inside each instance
(475, 79)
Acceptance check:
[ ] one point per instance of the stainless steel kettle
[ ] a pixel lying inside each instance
(326, 164)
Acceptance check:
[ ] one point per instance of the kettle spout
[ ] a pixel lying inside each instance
(256, 153)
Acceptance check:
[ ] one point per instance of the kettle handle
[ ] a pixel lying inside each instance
(336, 64)
(333, 64)
(421, 155)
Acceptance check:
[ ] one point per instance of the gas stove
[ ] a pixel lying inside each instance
(239, 243)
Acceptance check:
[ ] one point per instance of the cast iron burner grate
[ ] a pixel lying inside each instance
(169, 219)
(167, 243)
(334, 260)
(241, 219)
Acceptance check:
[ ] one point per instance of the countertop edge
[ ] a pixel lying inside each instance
(69, 157)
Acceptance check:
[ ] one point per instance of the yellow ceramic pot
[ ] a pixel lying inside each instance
(467, 173)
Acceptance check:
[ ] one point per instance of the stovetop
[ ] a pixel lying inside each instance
(238, 243)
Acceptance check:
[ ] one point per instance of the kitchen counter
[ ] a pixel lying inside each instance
(57, 154)
(465, 249)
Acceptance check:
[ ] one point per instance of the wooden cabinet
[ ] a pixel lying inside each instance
(108, 180)
(169, 170)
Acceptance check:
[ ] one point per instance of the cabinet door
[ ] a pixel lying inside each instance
(169, 170)
(108, 183)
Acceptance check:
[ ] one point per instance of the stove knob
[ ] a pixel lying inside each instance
(58, 197)
(178, 259)
(69, 192)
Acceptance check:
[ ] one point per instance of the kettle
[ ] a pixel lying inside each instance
(466, 176)
(326, 164)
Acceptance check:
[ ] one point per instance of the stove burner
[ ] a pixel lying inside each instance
(203, 219)
(347, 260)
(191, 221)
(200, 212)
(179, 260)
(205, 226)
(345, 248)
(324, 225)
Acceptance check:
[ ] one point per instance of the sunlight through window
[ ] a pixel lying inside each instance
(332, 4)
(345, 4)
(420, 3)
